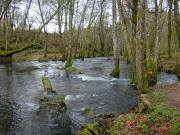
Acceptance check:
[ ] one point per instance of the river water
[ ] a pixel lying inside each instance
(22, 113)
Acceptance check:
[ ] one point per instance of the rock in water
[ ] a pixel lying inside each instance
(47, 84)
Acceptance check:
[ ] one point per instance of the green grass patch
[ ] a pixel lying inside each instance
(164, 112)
(89, 129)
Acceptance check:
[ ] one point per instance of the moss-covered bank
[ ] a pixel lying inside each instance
(161, 119)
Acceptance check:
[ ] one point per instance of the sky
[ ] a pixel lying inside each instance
(35, 19)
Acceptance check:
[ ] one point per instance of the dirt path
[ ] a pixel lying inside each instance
(172, 94)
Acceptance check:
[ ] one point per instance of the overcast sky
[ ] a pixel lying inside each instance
(34, 16)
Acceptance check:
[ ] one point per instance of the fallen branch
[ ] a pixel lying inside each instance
(10, 53)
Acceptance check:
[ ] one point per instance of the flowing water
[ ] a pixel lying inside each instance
(22, 113)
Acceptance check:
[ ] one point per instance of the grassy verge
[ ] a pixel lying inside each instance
(160, 119)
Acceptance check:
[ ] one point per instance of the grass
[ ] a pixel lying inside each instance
(161, 119)
(89, 129)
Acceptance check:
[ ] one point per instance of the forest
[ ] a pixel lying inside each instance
(89, 67)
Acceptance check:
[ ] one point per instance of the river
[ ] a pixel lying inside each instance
(22, 113)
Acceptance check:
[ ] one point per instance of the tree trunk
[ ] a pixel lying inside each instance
(169, 27)
(133, 40)
(177, 21)
(116, 70)
(140, 48)
(69, 61)
(154, 51)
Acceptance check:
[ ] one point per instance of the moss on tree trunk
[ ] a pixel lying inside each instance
(116, 71)
(151, 71)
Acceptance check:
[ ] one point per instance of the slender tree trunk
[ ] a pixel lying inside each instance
(169, 27)
(6, 30)
(45, 32)
(116, 70)
(152, 51)
(133, 40)
(59, 18)
(177, 21)
(69, 61)
(140, 47)
(158, 39)
(124, 23)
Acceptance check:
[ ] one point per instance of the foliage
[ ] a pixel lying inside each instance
(163, 112)
(155, 96)
(175, 129)
(89, 129)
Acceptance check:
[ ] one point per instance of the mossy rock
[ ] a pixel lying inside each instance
(47, 84)
(88, 112)
(60, 100)
(69, 70)
(83, 132)
(89, 129)
(145, 103)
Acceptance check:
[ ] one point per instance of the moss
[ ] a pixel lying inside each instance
(155, 96)
(89, 129)
(69, 70)
(117, 125)
(151, 71)
(68, 63)
(83, 132)
(175, 129)
(115, 73)
(161, 119)
(47, 84)
(60, 100)
(164, 112)
(88, 112)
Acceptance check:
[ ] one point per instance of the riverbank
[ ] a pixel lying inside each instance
(163, 117)
(170, 65)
